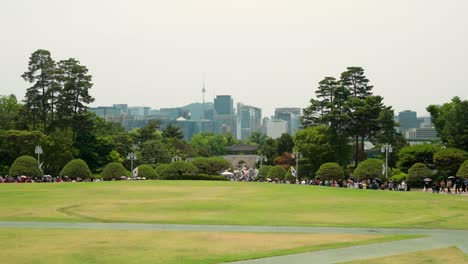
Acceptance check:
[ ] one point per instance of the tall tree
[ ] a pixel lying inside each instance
(42, 73)
(451, 122)
(172, 132)
(74, 97)
(9, 111)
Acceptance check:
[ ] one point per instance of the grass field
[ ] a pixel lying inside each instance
(49, 246)
(450, 255)
(191, 202)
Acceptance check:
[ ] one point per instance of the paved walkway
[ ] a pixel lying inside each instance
(436, 238)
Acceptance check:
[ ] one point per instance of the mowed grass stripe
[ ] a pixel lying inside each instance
(229, 203)
(120, 246)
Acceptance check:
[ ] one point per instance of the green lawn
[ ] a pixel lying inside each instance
(450, 255)
(191, 202)
(50, 246)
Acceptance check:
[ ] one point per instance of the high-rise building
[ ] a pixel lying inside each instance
(407, 120)
(224, 105)
(274, 128)
(290, 115)
(249, 120)
(224, 117)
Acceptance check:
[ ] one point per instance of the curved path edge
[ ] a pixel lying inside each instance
(435, 238)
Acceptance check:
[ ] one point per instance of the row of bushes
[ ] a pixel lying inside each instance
(179, 170)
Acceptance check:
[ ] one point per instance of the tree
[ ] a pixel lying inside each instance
(148, 132)
(208, 144)
(330, 171)
(285, 143)
(257, 138)
(25, 165)
(448, 160)
(172, 132)
(77, 168)
(410, 155)
(417, 173)
(114, 170)
(42, 72)
(154, 152)
(177, 170)
(368, 169)
(315, 144)
(75, 82)
(9, 110)
(58, 151)
(451, 122)
(463, 170)
(14, 143)
(269, 149)
(277, 172)
(211, 166)
(147, 172)
(263, 171)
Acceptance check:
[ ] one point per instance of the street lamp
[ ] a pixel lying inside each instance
(261, 158)
(297, 155)
(386, 148)
(131, 156)
(38, 151)
(176, 158)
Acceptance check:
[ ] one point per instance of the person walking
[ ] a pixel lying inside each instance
(449, 185)
(442, 186)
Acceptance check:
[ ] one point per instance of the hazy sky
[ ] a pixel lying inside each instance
(265, 53)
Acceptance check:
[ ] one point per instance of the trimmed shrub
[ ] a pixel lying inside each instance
(147, 171)
(263, 171)
(211, 166)
(177, 169)
(417, 173)
(25, 165)
(289, 177)
(368, 169)
(277, 172)
(114, 170)
(330, 171)
(399, 177)
(449, 160)
(159, 169)
(200, 177)
(76, 168)
(463, 170)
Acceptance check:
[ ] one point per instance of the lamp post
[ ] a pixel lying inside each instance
(176, 158)
(131, 156)
(38, 151)
(297, 155)
(261, 158)
(386, 148)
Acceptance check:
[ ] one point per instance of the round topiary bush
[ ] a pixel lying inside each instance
(277, 172)
(330, 171)
(77, 168)
(263, 171)
(114, 170)
(368, 169)
(417, 173)
(147, 172)
(25, 165)
(177, 170)
(463, 170)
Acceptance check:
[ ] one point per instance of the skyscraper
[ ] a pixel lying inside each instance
(291, 115)
(249, 120)
(224, 105)
(224, 117)
(407, 120)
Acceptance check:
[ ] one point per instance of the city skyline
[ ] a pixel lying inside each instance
(268, 53)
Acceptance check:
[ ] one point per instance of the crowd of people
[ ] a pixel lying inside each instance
(453, 185)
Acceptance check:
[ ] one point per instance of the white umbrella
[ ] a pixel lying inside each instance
(227, 173)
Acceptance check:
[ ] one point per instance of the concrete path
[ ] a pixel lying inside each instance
(436, 238)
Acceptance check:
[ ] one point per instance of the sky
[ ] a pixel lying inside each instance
(265, 53)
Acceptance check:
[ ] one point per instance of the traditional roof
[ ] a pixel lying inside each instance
(242, 148)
